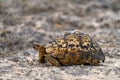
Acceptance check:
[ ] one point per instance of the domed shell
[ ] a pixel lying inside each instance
(73, 47)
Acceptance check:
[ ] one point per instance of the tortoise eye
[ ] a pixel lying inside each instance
(37, 45)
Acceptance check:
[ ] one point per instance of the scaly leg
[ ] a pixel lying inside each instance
(52, 60)
(95, 62)
(41, 58)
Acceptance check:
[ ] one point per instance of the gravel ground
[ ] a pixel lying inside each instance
(23, 22)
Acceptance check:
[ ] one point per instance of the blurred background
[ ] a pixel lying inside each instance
(23, 22)
(28, 21)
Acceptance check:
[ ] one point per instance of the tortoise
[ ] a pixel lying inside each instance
(70, 48)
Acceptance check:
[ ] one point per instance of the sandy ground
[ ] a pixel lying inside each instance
(24, 22)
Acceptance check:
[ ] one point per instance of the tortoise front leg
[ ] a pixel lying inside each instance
(41, 58)
(52, 60)
(95, 62)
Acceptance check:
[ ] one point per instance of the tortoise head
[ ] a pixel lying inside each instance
(40, 48)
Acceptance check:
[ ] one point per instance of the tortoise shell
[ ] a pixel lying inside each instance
(72, 47)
